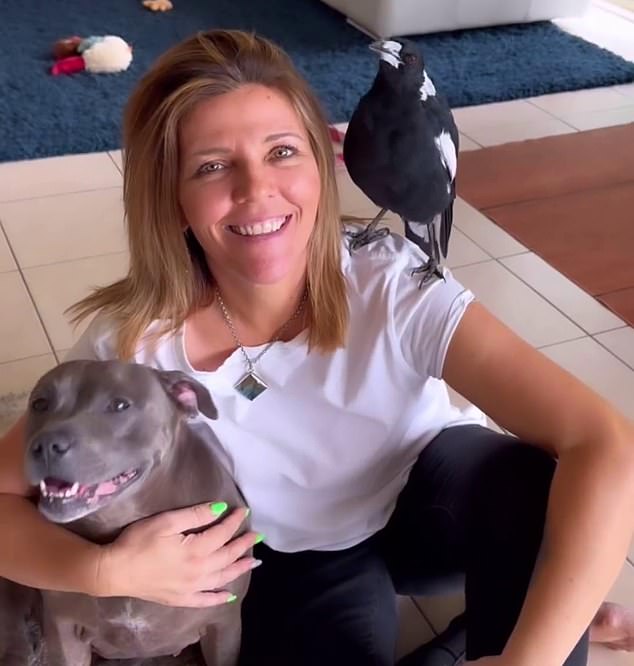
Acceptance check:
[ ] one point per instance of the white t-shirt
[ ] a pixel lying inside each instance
(322, 455)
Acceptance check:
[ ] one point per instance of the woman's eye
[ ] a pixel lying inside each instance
(284, 151)
(210, 167)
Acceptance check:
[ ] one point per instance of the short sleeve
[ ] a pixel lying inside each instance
(424, 319)
(97, 342)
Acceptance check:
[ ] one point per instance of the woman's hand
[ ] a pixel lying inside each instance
(152, 560)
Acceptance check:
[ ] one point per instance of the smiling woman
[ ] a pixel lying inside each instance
(250, 197)
(329, 367)
(242, 164)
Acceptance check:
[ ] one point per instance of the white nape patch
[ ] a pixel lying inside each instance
(428, 89)
(393, 57)
(448, 156)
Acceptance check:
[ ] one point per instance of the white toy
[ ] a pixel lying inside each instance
(106, 54)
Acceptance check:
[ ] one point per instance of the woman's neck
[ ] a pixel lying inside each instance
(257, 312)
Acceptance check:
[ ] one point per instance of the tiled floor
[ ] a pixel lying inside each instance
(61, 232)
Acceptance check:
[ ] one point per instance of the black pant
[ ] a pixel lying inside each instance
(475, 502)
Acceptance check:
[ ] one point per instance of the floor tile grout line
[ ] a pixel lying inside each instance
(623, 105)
(562, 342)
(562, 275)
(612, 353)
(21, 359)
(28, 291)
(611, 330)
(470, 139)
(545, 298)
(114, 161)
(528, 251)
(553, 115)
(74, 259)
(5, 235)
(480, 246)
(422, 612)
(455, 267)
(61, 194)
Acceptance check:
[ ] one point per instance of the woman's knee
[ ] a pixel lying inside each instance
(510, 496)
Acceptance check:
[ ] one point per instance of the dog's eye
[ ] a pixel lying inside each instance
(118, 405)
(39, 405)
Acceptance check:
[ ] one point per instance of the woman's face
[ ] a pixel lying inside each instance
(249, 184)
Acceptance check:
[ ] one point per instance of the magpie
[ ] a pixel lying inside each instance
(401, 150)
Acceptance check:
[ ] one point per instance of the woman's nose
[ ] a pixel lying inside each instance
(252, 183)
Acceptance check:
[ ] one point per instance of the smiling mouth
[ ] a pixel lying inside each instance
(271, 226)
(58, 493)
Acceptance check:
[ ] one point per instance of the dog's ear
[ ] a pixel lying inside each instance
(188, 393)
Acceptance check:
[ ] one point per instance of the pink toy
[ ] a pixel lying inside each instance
(337, 137)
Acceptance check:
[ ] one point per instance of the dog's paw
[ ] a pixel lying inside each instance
(158, 5)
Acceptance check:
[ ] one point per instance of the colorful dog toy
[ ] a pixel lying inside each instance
(106, 54)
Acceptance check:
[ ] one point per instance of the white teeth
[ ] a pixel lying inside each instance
(65, 494)
(267, 227)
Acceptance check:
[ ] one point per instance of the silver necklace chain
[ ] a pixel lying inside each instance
(251, 363)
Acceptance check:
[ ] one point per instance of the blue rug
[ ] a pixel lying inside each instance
(42, 115)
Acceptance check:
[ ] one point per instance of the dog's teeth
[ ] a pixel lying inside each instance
(75, 488)
(43, 488)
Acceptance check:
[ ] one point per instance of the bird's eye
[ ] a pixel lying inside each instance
(39, 405)
(410, 58)
(118, 405)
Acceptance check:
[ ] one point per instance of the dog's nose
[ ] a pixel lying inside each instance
(51, 447)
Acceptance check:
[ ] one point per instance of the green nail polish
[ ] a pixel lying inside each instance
(259, 538)
(218, 508)
(231, 599)
(248, 513)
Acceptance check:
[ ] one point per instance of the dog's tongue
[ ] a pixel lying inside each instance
(106, 488)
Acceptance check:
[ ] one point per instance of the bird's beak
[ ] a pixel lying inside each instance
(387, 47)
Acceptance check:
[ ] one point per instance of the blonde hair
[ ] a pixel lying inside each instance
(168, 277)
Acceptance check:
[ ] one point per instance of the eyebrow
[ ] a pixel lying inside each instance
(269, 139)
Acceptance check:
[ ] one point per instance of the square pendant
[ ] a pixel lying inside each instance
(250, 386)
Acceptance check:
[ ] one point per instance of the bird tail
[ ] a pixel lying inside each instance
(447, 223)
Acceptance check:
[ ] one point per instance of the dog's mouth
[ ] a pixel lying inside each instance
(59, 492)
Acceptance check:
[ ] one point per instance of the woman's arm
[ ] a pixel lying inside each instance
(36, 552)
(590, 517)
(151, 560)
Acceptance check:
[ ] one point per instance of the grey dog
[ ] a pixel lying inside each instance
(107, 444)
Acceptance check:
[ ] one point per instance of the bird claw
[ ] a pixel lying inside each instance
(360, 238)
(429, 271)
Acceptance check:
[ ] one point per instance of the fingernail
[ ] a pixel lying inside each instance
(218, 508)
(248, 513)
(259, 538)
(256, 564)
(231, 599)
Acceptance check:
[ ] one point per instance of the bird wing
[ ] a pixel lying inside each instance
(448, 154)
(449, 158)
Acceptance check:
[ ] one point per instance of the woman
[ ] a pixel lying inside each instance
(329, 370)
